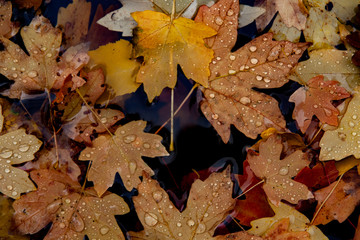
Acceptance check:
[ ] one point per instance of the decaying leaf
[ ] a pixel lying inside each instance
(165, 43)
(122, 153)
(343, 141)
(119, 68)
(277, 172)
(73, 213)
(332, 64)
(39, 69)
(315, 99)
(262, 63)
(74, 19)
(16, 147)
(208, 203)
(342, 201)
(298, 222)
(289, 10)
(7, 28)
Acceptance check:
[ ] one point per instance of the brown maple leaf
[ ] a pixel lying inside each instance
(315, 99)
(342, 201)
(73, 213)
(208, 203)
(277, 173)
(262, 63)
(40, 69)
(122, 153)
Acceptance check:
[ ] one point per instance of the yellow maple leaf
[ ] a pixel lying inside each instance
(165, 42)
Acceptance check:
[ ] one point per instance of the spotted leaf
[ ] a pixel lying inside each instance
(277, 173)
(208, 203)
(262, 63)
(315, 99)
(73, 214)
(122, 153)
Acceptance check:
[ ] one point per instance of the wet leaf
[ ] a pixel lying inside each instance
(289, 10)
(208, 203)
(16, 147)
(120, 69)
(342, 201)
(282, 32)
(122, 153)
(316, 99)
(346, 164)
(277, 173)
(261, 63)
(1, 119)
(332, 64)
(7, 27)
(74, 19)
(73, 214)
(343, 141)
(298, 222)
(40, 70)
(248, 14)
(165, 43)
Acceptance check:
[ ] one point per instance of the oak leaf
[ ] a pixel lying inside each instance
(122, 153)
(39, 69)
(16, 147)
(164, 43)
(74, 20)
(315, 99)
(119, 68)
(277, 173)
(343, 141)
(208, 203)
(298, 222)
(7, 27)
(342, 201)
(262, 63)
(73, 213)
(332, 64)
(290, 11)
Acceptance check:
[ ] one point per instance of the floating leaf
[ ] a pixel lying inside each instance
(315, 99)
(208, 203)
(298, 222)
(122, 153)
(165, 43)
(277, 173)
(262, 63)
(16, 147)
(73, 214)
(343, 141)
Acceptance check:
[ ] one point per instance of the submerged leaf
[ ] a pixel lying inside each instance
(122, 153)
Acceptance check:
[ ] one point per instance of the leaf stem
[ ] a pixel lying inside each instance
(248, 190)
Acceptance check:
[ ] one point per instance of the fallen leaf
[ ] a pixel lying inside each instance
(7, 27)
(282, 32)
(122, 153)
(74, 214)
(343, 141)
(28, 3)
(342, 201)
(319, 176)
(164, 41)
(248, 14)
(262, 63)
(277, 173)
(1, 119)
(345, 10)
(16, 147)
(332, 64)
(357, 232)
(39, 70)
(74, 19)
(298, 222)
(289, 10)
(208, 203)
(120, 69)
(316, 99)
(280, 230)
(346, 164)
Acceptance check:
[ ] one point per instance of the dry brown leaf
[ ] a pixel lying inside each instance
(277, 173)
(73, 214)
(342, 201)
(122, 153)
(208, 203)
(7, 28)
(262, 63)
